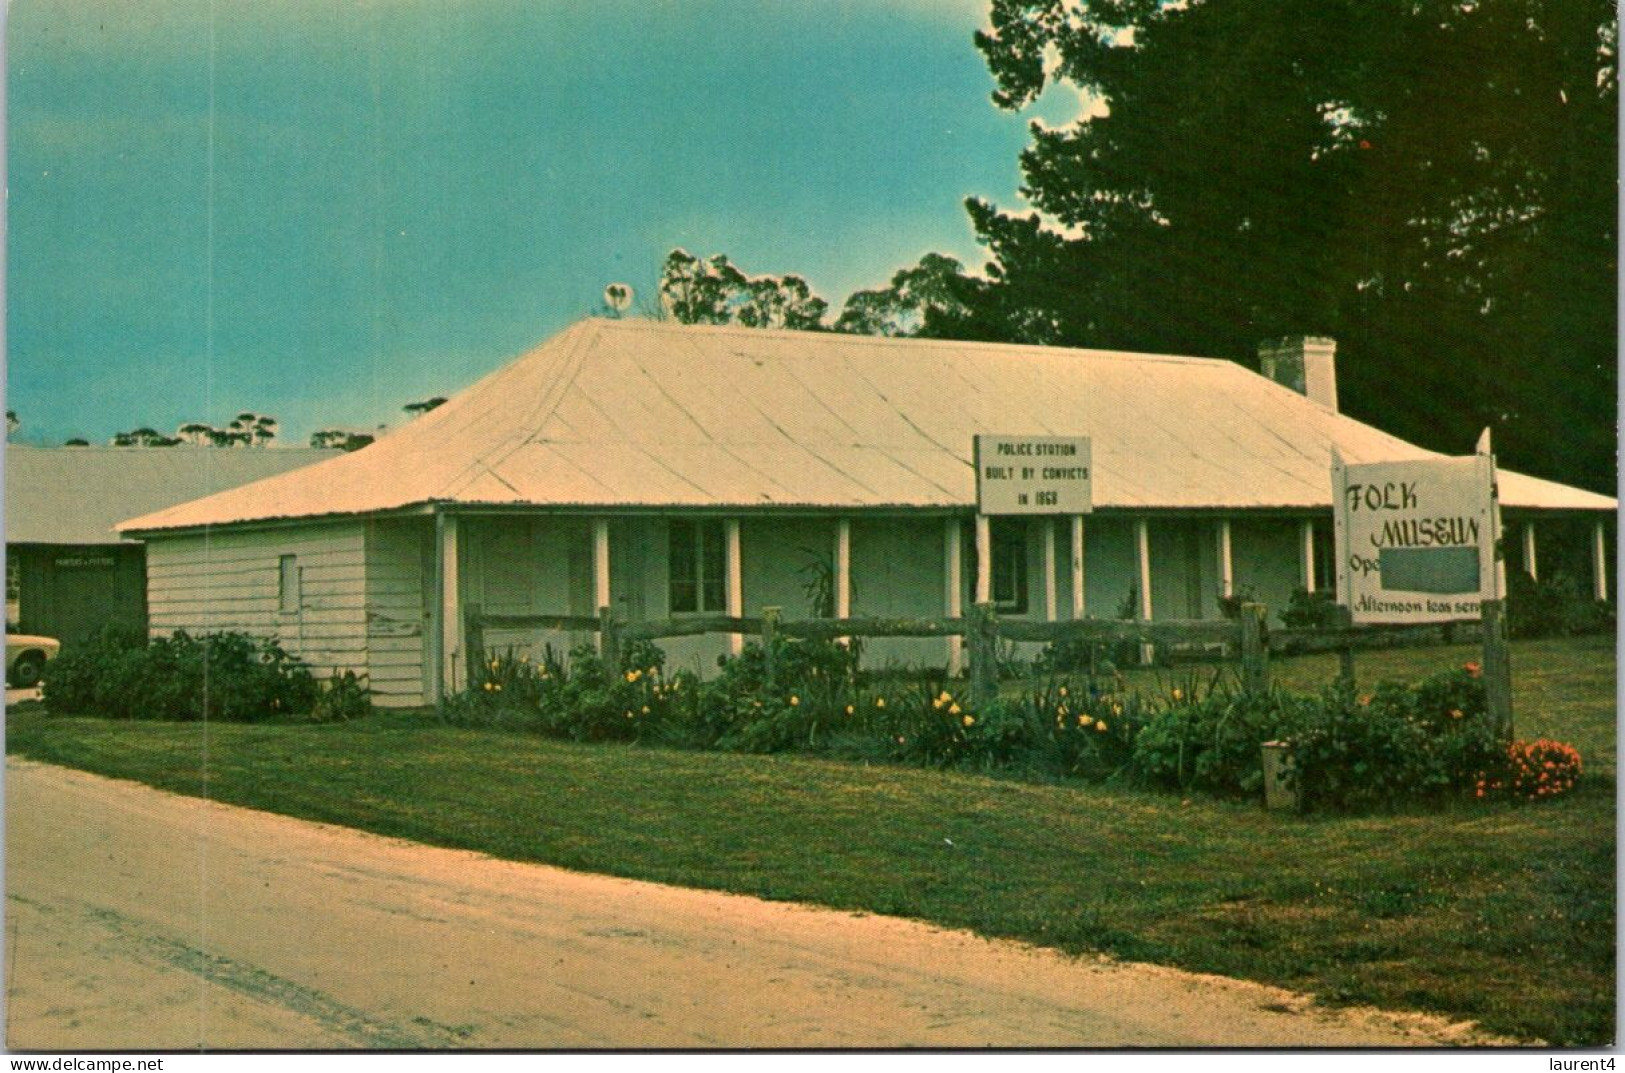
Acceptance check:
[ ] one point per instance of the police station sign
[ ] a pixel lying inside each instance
(1416, 540)
(1033, 475)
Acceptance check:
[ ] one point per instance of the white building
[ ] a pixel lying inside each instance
(664, 470)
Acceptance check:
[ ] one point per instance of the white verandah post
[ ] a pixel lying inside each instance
(1306, 553)
(600, 570)
(953, 566)
(450, 604)
(1078, 605)
(1227, 565)
(1050, 610)
(1529, 566)
(1599, 561)
(984, 559)
(1142, 543)
(735, 597)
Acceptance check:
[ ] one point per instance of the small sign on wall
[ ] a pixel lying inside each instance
(1033, 475)
(1416, 541)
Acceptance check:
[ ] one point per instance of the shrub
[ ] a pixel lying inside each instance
(230, 676)
(343, 698)
(1558, 606)
(1088, 731)
(1207, 737)
(1533, 771)
(1310, 610)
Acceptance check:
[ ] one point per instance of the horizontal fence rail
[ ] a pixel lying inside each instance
(1245, 638)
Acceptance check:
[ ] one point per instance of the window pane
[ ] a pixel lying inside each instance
(288, 583)
(683, 567)
(1010, 565)
(714, 565)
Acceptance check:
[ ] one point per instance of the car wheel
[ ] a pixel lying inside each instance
(26, 672)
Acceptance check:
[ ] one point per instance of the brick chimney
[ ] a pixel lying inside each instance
(1306, 364)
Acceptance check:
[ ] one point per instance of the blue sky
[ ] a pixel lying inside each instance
(323, 209)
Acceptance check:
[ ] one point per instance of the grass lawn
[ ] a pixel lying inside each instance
(1502, 914)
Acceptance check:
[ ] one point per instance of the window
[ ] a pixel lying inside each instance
(697, 566)
(1010, 565)
(1325, 560)
(288, 585)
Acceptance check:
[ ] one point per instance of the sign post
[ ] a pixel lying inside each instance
(1420, 542)
(1021, 475)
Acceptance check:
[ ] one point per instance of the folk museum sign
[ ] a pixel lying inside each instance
(1033, 475)
(1416, 541)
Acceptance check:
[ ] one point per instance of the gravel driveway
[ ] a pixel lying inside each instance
(140, 919)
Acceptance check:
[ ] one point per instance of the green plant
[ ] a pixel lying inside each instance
(1206, 736)
(1556, 606)
(342, 698)
(230, 676)
(1310, 610)
(1533, 771)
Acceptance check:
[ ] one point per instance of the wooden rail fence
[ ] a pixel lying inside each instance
(1248, 636)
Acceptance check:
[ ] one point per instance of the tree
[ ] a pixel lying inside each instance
(714, 291)
(340, 438)
(1431, 182)
(416, 409)
(251, 428)
(76, 442)
(935, 298)
(13, 422)
(143, 437)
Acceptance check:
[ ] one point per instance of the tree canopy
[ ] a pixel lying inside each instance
(1430, 183)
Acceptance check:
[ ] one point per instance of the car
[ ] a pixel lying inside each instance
(26, 656)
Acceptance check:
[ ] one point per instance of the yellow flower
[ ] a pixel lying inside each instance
(498, 687)
(880, 702)
(970, 721)
(1101, 725)
(1083, 720)
(488, 687)
(946, 697)
(850, 710)
(953, 709)
(1117, 709)
(631, 676)
(645, 709)
(1179, 694)
(794, 700)
(629, 713)
(1063, 691)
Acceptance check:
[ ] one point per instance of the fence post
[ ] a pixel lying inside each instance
(984, 646)
(609, 643)
(1497, 668)
(474, 644)
(770, 634)
(1343, 619)
(1255, 651)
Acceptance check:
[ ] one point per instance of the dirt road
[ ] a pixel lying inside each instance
(139, 919)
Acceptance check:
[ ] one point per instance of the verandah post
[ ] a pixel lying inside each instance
(1497, 668)
(1255, 652)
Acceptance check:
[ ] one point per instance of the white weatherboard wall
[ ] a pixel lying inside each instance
(231, 580)
(400, 594)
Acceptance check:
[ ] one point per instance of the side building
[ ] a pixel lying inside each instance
(662, 470)
(68, 573)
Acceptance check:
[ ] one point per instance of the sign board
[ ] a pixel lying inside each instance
(1416, 541)
(1033, 475)
(84, 562)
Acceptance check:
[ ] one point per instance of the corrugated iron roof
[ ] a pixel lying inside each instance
(76, 495)
(644, 414)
